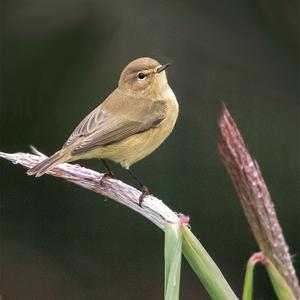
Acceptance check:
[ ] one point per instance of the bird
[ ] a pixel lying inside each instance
(127, 126)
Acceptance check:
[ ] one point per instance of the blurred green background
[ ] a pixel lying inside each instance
(59, 59)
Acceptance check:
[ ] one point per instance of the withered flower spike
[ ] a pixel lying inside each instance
(255, 199)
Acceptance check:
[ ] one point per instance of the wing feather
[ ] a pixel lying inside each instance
(87, 126)
(115, 119)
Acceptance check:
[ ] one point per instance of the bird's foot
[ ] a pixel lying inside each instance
(144, 192)
(108, 175)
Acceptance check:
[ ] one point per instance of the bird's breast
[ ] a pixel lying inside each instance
(140, 145)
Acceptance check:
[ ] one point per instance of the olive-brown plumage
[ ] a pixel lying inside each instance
(128, 125)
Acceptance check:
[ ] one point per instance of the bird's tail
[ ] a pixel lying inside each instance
(49, 163)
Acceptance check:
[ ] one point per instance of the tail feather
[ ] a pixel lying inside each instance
(47, 164)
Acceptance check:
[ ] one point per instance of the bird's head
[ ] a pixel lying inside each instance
(144, 75)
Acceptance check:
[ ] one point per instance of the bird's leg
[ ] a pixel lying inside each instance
(144, 190)
(108, 174)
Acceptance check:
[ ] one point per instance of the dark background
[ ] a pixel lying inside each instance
(59, 59)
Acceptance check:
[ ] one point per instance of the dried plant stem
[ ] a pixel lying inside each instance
(256, 200)
(152, 208)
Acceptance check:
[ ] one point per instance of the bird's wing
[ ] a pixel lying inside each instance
(116, 119)
(87, 126)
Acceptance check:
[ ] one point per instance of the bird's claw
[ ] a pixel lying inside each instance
(144, 192)
(104, 176)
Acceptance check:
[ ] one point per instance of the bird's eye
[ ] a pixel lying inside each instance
(141, 75)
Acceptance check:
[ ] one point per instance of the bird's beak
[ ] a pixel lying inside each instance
(162, 67)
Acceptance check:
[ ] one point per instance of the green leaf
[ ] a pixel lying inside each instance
(205, 268)
(280, 286)
(173, 242)
(248, 283)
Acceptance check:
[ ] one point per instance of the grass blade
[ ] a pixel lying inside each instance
(248, 283)
(205, 268)
(173, 242)
(280, 285)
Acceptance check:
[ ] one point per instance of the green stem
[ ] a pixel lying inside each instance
(173, 242)
(205, 268)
